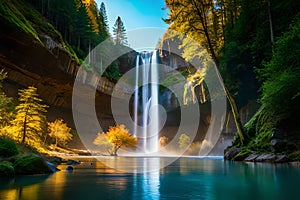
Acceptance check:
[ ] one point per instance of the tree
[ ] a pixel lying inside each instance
(184, 141)
(163, 141)
(103, 142)
(200, 20)
(104, 18)
(30, 120)
(119, 32)
(60, 132)
(118, 136)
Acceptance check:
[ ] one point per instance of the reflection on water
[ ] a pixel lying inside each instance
(186, 178)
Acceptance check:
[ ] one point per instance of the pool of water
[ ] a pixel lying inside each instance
(186, 178)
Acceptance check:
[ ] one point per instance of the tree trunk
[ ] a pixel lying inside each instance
(271, 23)
(24, 130)
(55, 143)
(236, 116)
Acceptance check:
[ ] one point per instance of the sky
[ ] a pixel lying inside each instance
(137, 14)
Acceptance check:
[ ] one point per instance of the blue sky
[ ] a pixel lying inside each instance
(136, 15)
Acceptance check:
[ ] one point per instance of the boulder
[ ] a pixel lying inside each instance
(31, 164)
(69, 168)
(231, 153)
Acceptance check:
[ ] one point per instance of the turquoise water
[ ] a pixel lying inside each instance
(186, 178)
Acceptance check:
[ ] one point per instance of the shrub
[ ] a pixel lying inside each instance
(8, 148)
(6, 169)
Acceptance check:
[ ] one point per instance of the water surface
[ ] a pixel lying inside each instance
(186, 178)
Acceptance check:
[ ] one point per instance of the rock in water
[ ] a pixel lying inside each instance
(231, 153)
(52, 167)
(69, 168)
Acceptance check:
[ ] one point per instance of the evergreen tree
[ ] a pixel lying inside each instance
(104, 18)
(82, 31)
(119, 32)
(30, 120)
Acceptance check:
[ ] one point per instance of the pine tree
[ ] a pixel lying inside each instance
(119, 32)
(104, 18)
(30, 120)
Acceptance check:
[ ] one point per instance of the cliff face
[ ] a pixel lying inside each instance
(43, 61)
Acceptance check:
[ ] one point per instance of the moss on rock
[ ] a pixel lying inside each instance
(31, 164)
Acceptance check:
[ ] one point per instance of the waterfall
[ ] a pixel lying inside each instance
(146, 102)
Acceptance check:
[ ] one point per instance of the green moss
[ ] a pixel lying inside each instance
(10, 13)
(31, 164)
(19, 15)
(6, 169)
(8, 148)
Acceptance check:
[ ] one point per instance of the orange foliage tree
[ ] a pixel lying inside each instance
(118, 136)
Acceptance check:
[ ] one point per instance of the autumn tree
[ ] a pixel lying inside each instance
(30, 120)
(119, 137)
(103, 142)
(184, 141)
(119, 32)
(60, 132)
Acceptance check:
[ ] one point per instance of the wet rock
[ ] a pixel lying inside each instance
(266, 157)
(52, 167)
(73, 162)
(231, 153)
(69, 168)
(281, 159)
(252, 157)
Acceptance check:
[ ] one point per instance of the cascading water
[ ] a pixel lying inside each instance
(146, 102)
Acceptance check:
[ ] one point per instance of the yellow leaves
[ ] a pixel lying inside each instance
(118, 136)
(60, 132)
